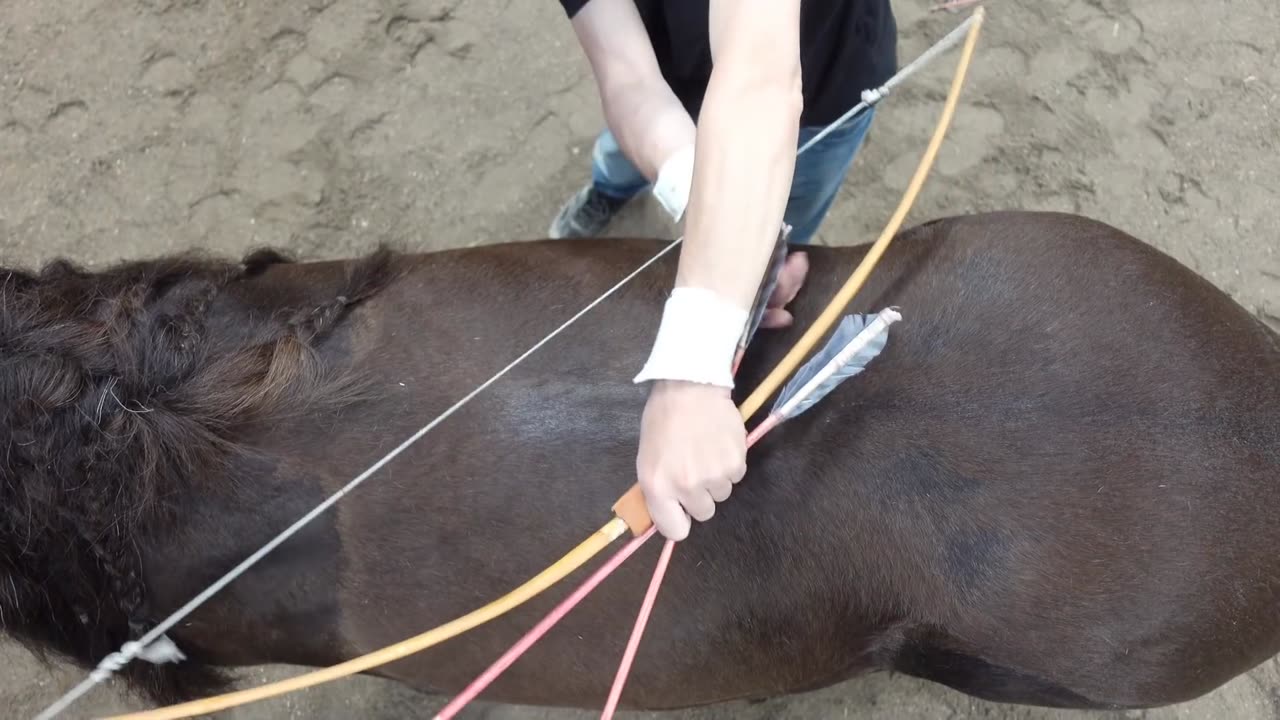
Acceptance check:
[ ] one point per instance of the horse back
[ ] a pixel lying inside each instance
(1061, 474)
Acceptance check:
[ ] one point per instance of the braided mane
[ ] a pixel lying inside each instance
(118, 389)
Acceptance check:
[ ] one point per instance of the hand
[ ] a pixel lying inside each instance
(693, 449)
(790, 280)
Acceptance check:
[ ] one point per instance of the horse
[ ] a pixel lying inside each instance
(1056, 486)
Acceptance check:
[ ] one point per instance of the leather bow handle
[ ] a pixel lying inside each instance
(634, 511)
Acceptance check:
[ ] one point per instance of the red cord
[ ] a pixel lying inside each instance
(642, 620)
(646, 608)
(478, 685)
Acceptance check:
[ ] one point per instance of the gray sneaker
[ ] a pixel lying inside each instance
(586, 214)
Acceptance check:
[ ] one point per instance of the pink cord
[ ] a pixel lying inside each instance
(767, 424)
(478, 685)
(646, 608)
(620, 680)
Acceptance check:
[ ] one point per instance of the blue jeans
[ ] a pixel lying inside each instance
(818, 174)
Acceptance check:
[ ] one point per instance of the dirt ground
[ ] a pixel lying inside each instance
(129, 129)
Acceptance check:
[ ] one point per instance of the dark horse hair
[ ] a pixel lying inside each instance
(118, 389)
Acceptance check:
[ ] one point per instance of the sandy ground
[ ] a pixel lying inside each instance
(129, 129)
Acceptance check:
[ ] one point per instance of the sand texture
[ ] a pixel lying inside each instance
(134, 128)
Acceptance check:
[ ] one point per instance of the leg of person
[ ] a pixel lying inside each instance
(614, 181)
(819, 173)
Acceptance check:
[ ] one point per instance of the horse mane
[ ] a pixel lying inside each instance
(117, 389)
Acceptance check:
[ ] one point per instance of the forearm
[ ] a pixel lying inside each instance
(645, 116)
(648, 121)
(745, 159)
(746, 147)
(742, 172)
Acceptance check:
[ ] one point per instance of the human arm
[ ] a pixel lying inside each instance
(746, 147)
(639, 107)
(692, 442)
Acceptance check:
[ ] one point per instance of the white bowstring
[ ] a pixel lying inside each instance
(875, 95)
(117, 660)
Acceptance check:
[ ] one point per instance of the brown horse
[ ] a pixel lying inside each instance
(1058, 485)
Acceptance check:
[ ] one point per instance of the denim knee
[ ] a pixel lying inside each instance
(611, 172)
(819, 173)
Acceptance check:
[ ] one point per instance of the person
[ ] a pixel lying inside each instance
(761, 77)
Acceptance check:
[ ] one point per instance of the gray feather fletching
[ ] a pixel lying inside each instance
(848, 329)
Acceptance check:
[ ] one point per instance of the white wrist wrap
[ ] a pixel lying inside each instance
(696, 340)
(675, 178)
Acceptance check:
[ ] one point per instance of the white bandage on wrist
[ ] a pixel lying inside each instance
(675, 178)
(696, 340)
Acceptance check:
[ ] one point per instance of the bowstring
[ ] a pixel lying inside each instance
(129, 651)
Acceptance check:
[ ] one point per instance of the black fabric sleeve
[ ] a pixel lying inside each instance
(571, 7)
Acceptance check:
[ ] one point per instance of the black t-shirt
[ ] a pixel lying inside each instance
(846, 46)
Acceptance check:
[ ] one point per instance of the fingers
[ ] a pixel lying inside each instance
(670, 519)
(673, 514)
(720, 491)
(790, 279)
(699, 498)
(692, 451)
(775, 318)
(699, 503)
